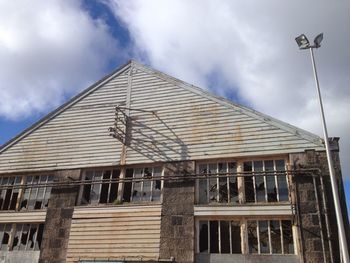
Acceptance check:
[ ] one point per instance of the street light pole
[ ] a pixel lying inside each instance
(304, 44)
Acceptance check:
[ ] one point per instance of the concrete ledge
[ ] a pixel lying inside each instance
(244, 210)
(19, 256)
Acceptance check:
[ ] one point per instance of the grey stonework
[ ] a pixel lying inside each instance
(177, 225)
(311, 213)
(58, 219)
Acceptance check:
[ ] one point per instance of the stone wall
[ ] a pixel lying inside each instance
(177, 225)
(310, 209)
(58, 219)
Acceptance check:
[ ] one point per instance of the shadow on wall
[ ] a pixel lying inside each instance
(156, 144)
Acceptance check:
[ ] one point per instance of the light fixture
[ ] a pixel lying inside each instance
(302, 41)
(318, 40)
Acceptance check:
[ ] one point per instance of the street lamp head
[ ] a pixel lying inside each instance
(318, 40)
(302, 42)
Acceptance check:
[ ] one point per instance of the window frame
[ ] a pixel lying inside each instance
(243, 223)
(241, 180)
(22, 189)
(14, 227)
(121, 183)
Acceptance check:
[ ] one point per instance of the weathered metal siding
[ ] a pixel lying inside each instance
(128, 232)
(187, 124)
(77, 137)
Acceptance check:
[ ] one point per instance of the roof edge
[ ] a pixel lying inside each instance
(65, 105)
(225, 102)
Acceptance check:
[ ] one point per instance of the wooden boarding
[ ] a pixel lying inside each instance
(23, 217)
(120, 232)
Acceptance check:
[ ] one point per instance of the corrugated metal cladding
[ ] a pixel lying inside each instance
(115, 233)
(187, 124)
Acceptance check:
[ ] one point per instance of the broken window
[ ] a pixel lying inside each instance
(220, 184)
(143, 186)
(5, 231)
(140, 184)
(270, 237)
(268, 182)
(36, 197)
(25, 236)
(9, 192)
(100, 187)
(219, 237)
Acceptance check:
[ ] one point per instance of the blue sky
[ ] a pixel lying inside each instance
(226, 47)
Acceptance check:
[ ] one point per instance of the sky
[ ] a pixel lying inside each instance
(242, 50)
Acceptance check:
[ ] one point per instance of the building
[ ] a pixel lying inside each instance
(144, 167)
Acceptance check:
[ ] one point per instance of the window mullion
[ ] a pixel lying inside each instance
(217, 183)
(152, 183)
(276, 180)
(36, 192)
(27, 241)
(219, 235)
(230, 230)
(269, 234)
(281, 236)
(109, 182)
(265, 183)
(228, 177)
(254, 182)
(132, 185)
(208, 184)
(44, 192)
(258, 236)
(209, 248)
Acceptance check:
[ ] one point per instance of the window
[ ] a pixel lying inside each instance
(25, 236)
(36, 197)
(142, 185)
(139, 185)
(106, 191)
(263, 237)
(9, 192)
(270, 237)
(219, 187)
(268, 182)
(220, 237)
(34, 192)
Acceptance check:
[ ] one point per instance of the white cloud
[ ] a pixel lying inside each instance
(250, 47)
(48, 49)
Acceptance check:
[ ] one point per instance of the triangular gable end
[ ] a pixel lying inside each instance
(171, 120)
